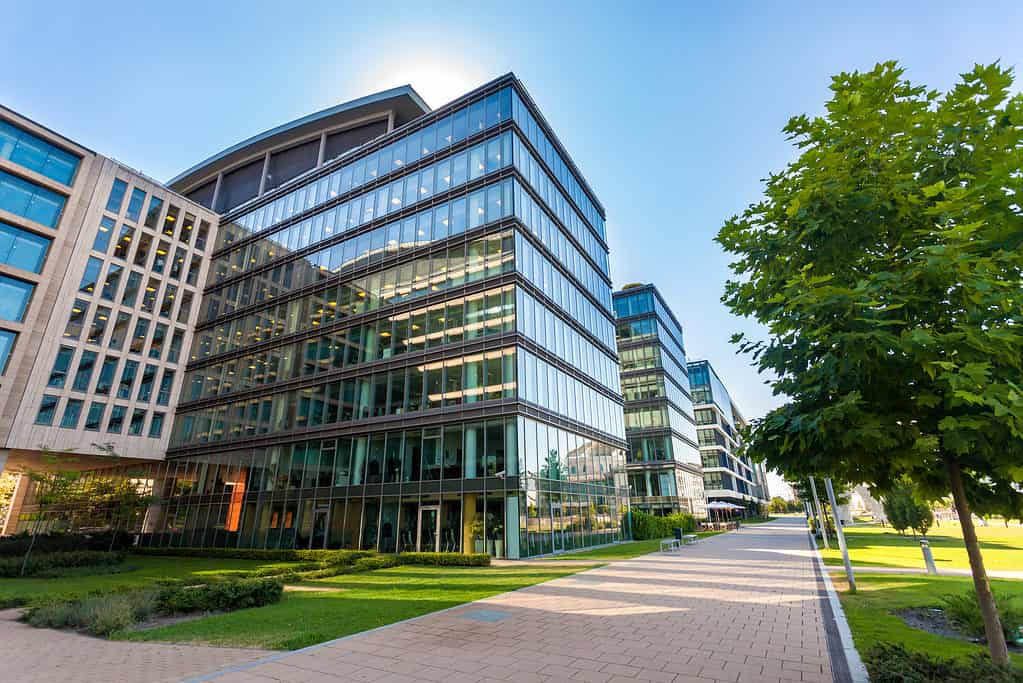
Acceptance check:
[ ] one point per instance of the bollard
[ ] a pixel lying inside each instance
(925, 547)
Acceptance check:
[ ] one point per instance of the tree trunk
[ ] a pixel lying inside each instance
(988, 609)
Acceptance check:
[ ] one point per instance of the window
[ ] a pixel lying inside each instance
(25, 149)
(30, 201)
(76, 321)
(170, 221)
(153, 213)
(107, 373)
(146, 385)
(112, 282)
(61, 366)
(14, 297)
(156, 346)
(22, 249)
(167, 305)
(142, 252)
(103, 235)
(202, 235)
(138, 197)
(138, 340)
(174, 352)
(94, 418)
(138, 419)
(84, 374)
(149, 296)
(156, 426)
(116, 424)
(120, 330)
(116, 197)
(47, 410)
(160, 260)
(178, 263)
(186, 228)
(6, 344)
(166, 384)
(185, 309)
(90, 276)
(124, 239)
(131, 290)
(72, 412)
(131, 368)
(193, 270)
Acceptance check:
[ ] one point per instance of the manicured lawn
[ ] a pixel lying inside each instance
(364, 601)
(146, 570)
(879, 546)
(870, 617)
(622, 551)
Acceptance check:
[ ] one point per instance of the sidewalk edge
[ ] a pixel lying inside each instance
(857, 670)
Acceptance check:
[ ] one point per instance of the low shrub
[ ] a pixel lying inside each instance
(18, 544)
(889, 663)
(51, 563)
(106, 613)
(99, 615)
(445, 559)
(964, 611)
(646, 526)
(221, 597)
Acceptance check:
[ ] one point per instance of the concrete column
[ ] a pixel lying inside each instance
(468, 513)
(216, 191)
(323, 149)
(262, 178)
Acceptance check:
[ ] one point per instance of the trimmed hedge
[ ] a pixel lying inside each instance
(223, 596)
(38, 563)
(321, 556)
(889, 663)
(646, 526)
(445, 559)
(18, 544)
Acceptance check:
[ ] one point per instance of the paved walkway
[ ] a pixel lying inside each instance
(32, 655)
(737, 607)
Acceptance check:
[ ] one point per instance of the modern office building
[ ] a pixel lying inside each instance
(101, 271)
(406, 339)
(727, 476)
(663, 459)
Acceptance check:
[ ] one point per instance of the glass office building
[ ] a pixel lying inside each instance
(727, 476)
(663, 459)
(407, 347)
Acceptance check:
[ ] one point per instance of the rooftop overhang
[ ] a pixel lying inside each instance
(403, 101)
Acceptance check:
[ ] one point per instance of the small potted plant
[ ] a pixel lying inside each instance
(478, 531)
(496, 529)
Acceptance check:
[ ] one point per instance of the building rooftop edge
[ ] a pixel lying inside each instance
(302, 120)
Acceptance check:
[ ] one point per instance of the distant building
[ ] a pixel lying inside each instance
(101, 271)
(727, 476)
(663, 459)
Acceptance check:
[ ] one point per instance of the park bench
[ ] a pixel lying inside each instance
(690, 538)
(670, 544)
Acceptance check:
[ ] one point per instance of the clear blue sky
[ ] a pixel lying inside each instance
(673, 110)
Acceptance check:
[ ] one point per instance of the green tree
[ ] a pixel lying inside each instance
(778, 505)
(886, 263)
(905, 509)
(54, 488)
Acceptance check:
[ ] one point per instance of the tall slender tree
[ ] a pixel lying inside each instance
(887, 263)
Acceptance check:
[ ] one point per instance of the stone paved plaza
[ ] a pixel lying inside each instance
(737, 607)
(741, 607)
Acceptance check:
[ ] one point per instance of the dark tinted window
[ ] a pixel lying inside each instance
(240, 185)
(340, 142)
(291, 162)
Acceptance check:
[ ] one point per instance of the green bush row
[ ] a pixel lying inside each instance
(964, 611)
(445, 559)
(887, 663)
(292, 555)
(39, 563)
(218, 597)
(61, 543)
(106, 613)
(646, 526)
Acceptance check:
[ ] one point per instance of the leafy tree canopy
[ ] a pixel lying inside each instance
(886, 263)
